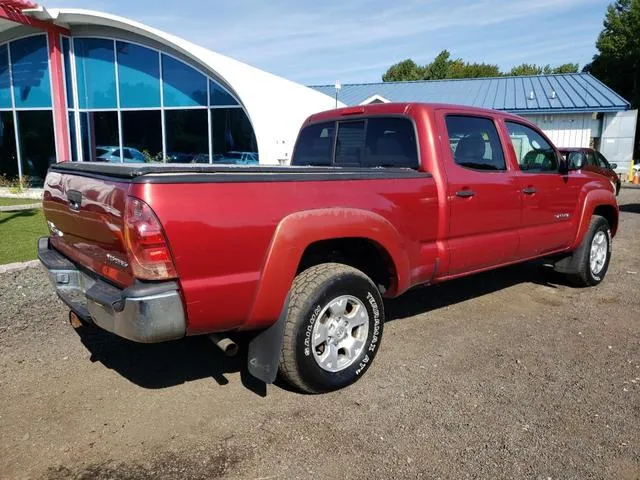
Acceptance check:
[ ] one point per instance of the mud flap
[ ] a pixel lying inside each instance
(265, 349)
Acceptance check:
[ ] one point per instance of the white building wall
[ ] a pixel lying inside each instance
(568, 130)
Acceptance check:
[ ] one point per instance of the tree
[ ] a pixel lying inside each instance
(617, 62)
(443, 67)
(526, 69)
(404, 70)
(439, 68)
(533, 69)
(567, 68)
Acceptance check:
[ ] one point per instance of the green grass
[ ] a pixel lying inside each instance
(19, 233)
(7, 202)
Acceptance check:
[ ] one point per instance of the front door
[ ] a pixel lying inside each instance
(483, 194)
(549, 198)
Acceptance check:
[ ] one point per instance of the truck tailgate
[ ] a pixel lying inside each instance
(85, 216)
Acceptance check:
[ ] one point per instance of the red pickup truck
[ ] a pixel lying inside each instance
(378, 199)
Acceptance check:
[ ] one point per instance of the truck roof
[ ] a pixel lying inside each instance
(404, 108)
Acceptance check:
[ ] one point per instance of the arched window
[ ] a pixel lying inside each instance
(138, 104)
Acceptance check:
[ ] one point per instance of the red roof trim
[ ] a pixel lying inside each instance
(18, 4)
(12, 10)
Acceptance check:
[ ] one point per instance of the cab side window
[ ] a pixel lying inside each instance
(591, 159)
(475, 143)
(533, 152)
(602, 162)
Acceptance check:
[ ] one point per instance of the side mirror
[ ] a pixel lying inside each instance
(575, 160)
(563, 165)
(614, 166)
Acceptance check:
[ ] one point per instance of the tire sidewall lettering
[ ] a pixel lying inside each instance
(309, 330)
(371, 300)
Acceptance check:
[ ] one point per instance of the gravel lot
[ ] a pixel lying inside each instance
(509, 374)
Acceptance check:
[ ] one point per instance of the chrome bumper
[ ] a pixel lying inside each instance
(145, 312)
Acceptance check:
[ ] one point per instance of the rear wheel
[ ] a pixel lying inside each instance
(593, 255)
(333, 328)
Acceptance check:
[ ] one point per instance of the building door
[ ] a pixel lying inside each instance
(618, 134)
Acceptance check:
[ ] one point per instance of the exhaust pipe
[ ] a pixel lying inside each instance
(74, 320)
(228, 346)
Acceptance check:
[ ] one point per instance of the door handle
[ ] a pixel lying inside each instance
(465, 193)
(529, 190)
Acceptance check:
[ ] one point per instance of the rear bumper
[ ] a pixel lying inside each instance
(146, 312)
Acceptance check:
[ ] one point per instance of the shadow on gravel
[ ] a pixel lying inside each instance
(168, 364)
(630, 208)
(425, 299)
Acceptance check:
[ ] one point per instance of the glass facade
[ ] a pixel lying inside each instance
(95, 72)
(5, 78)
(138, 76)
(126, 103)
(37, 145)
(149, 106)
(27, 144)
(30, 72)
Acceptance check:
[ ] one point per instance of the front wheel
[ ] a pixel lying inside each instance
(333, 328)
(593, 255)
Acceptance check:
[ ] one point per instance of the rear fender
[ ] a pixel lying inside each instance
(593, 200)
(299, 230)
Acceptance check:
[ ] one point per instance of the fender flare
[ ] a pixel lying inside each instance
(593, 200)
(301, 229)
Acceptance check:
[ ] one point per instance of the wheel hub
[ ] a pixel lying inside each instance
(340, 333)
(598, 252)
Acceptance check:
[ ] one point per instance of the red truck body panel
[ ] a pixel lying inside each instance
(237, 245)
(221, 257)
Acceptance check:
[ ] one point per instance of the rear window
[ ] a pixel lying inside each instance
(315, 145)
(373, 142)
(391, 142)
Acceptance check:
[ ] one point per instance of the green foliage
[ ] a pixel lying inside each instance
(567, 68)
(14, 184)
(443, 67)
(617, 62)
(533, 69)
(404, 70)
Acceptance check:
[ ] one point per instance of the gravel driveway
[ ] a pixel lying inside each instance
(509, 374)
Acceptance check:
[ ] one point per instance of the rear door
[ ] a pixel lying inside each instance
(549, 198)
(483, 194)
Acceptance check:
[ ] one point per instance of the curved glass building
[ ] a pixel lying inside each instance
(79, 85)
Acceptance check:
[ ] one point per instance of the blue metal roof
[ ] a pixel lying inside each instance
(560, 93)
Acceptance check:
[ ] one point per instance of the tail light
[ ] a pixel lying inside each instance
(149, 254)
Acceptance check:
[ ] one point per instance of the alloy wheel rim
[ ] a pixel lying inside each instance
(340, 333)
(598, 254)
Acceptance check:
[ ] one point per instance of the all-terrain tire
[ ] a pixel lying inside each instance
(584, 276)
(312, 292)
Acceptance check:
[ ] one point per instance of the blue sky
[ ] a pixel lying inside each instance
(319, 42)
